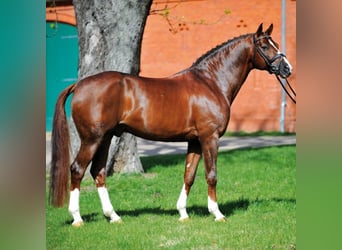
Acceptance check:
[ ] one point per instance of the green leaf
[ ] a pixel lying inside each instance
(226, 11)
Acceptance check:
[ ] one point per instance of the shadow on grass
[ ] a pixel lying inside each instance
(170, 160)
(228, 208)
(150, 162)
(92, 217)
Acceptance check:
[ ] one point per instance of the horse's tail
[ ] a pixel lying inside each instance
(60, 148)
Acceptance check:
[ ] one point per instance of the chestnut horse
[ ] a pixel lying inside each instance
(192, 105)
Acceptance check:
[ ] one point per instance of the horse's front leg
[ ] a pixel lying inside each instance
(210, 150)
(191, 164)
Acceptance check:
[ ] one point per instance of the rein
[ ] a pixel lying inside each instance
(284, 87)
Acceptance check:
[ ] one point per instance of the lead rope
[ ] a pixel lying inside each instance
(293, 92)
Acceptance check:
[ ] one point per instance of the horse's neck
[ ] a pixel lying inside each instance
(228, 69)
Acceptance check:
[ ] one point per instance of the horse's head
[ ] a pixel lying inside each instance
(267, 55)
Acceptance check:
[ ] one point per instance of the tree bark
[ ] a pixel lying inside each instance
(110, 34)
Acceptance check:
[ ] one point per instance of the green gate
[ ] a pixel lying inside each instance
(61, 64)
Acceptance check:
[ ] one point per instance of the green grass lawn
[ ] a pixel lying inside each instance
(256, 191)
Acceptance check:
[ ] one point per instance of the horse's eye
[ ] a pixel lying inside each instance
(264, 47)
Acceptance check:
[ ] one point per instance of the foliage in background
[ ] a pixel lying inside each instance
(176, 23)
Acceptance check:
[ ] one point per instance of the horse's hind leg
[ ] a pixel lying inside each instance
(98, 172)
(191, 164)
(77, 169)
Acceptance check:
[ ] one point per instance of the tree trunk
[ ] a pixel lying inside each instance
(110, 34)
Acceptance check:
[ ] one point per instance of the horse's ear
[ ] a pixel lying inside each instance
(269, 30)
(259, 31)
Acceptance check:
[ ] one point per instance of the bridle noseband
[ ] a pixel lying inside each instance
(280, 69)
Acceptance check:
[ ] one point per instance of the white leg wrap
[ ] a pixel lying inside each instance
(213, 209)
(107, 207)
(181, 204)
(74, 208)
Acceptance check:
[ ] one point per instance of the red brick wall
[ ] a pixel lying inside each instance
(64, 14)
(257, 106)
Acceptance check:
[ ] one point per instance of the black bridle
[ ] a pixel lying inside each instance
(280, 69)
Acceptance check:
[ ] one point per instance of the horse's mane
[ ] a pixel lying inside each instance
(211, 52)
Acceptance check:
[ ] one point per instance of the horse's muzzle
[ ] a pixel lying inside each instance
(283, 68)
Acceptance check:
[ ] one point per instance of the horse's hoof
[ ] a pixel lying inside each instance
(222, 219)
(78, 224)
(186, 219)
(119, 221)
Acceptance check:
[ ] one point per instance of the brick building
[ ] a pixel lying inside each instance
(199, 25)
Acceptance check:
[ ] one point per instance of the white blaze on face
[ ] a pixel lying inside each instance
(278, 52)
(288, 63)
(273, 45)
